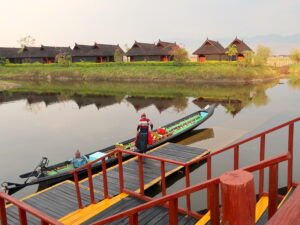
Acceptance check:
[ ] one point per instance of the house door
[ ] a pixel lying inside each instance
(240, 57)
(202, 58)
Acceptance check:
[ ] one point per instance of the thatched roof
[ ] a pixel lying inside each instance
(148, 49)
(210, 47)
(96, 50)
(41, 52)
(240, 45)
(8, 52)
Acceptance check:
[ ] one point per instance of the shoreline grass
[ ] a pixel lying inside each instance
(213, 72)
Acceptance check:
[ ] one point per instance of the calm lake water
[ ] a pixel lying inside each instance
(56, 125)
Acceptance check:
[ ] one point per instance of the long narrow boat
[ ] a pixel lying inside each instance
(46, 176)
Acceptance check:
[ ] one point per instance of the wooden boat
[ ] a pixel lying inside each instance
(46, 176)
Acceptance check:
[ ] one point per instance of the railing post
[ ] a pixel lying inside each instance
(173, 211)
(78, 190)
(91, 185)
(208, 177)
(141, 174)
(121, 178)
(22, 217)
(236, 158)
(273, 186)
(43, 222)
(3, 216)
(133, 219)
(214, 204)
(105, 185)
(261, 158)
(238, 198)
(163, 178)
(187, 184)
(290, 161)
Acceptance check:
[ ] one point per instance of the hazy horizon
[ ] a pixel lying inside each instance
(189, 22)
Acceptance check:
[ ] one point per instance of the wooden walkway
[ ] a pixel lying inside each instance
(60, 201)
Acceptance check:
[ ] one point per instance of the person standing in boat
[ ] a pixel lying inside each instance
(143, 129)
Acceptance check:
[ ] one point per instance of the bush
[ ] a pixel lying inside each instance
(64, 60)
(118, 56)
(248, 57)
(295, 55)
(4, 61)
(180, 56)
(262, 55)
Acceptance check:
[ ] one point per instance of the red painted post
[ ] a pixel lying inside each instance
(78, 190)
(236, 158)
(43, 222)
(290, 161)
(163, 178)
(133, 219)
(238, 198)
(3, 216)
(141, 174)
(261, 158)
(208, 168)
(91, 185)
(22, 217)
(273, 186)
(105, 185)
(187, 184)
(121, 178)
(214, 204)
(173, 211)
(208, 177)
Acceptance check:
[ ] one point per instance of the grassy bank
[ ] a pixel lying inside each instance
(141, 71)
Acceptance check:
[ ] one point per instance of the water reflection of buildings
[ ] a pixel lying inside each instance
(99, 101)
(232, 106)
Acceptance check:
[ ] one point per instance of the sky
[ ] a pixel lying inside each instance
(64, 22)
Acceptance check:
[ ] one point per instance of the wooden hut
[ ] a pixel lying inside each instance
(211, 50)
(162, 51)
(241, 48)
(43, 54)
(95, 53)
(10, 54)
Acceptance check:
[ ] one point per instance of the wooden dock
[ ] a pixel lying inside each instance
(60, 200)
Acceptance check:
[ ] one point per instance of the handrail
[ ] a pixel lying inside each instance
(121, 180)
(159, 201)
(245, 140)
(174, 197)
(23, 208)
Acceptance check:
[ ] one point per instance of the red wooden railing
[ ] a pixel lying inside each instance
(120, 153)
(23, 209)
(171, 201)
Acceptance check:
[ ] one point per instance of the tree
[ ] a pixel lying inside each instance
(232, 51)
(64, 59)
(262, 55)
(26, 41)
(118, 57)
(248, 57)
(180, 56)
(295, 55)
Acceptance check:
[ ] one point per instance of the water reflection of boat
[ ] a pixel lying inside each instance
(45, 175)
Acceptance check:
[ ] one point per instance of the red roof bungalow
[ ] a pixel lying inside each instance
(211, 50)
(241, 48)
(162, 51)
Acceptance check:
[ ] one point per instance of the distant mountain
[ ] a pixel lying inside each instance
(279, 44)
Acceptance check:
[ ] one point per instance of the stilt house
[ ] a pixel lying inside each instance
(10, 54)
(95, 53)
(211, 50)
(241, 48)
(43, 54)
(162, 51)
